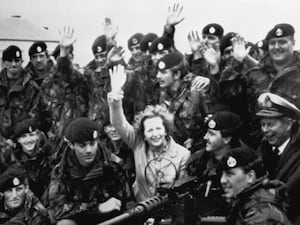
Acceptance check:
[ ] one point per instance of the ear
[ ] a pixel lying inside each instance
(227, 140)
(251, 177)
(177, 75)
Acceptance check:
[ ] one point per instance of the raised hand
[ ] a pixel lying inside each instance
(117, 78)
(211, 56)
(194, 41)
(174, 16)
(239, 48)
(110, 30)
(115, 54)
(66, 37)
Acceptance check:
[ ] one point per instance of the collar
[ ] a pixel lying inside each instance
(282, 147)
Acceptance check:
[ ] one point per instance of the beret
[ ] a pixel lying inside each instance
(134, 40)
(99, 45)
(82, 129)
(213, 29)
(25, 126)
(11, 52)
(280, 30)
(12, 177)
(170, 60)
(226, 41)
(37, 47)
(160, 44)
(147, 41)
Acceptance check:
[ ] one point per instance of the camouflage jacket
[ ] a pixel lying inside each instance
(37, 76)
(17, 102)
(74, 189)
(66, 94)
(31, 213)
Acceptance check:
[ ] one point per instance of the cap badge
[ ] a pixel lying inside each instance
(267, 102)
(160, 46)
(212, 124)
(231, 162)
(18, 54)
(149, 44)
(16, 181)
(30, 129)
(99, 49)
(161, 65)
(260, 44)
(134, 41)
(279, 32)
(212, 30)
(95, 134)
(38, 49)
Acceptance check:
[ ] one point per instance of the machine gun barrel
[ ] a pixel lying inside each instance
(141, 211)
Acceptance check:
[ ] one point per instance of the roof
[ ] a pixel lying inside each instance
(18, 29)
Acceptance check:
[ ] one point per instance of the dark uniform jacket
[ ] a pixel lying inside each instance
(31, 213)
(286, 168)
(66, 93)
(17, 102)
(264, 202)
(74, 189)
(37, 76)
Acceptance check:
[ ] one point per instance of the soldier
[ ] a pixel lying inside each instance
(254, 198)
(32, 152)
(40, 65)
(18, 205)
(86, 186)
(279, 121)
(137, 57)
(19, 94)
(221, 136)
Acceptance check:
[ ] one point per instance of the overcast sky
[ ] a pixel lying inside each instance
(251, 18)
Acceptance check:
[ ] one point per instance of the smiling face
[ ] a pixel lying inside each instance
(281, 49)
(276, 130)
(85, 152)
(234, 181)
(112, 133)
(28, 141)
(155, 132)
(14, 197)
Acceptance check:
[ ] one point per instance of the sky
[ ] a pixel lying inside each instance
(251, 18)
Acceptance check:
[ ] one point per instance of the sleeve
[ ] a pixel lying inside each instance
(118, 120)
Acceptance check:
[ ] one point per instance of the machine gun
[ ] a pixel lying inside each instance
(145, 209)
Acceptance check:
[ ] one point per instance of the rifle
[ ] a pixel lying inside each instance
(143, 210)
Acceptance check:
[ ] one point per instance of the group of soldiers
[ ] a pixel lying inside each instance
(236, 108)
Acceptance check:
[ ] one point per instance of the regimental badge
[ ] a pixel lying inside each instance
(99, 49)
(30, 129)
(212, 30)
(231, 162)
(212, 124)
(160, 46)
(95, 134)
(16, 181)
(279, 32)
(149, 44)
(267, 102)
(18, 54)
(134, 41)
(38, 49)
(260, 44)
(161, 65)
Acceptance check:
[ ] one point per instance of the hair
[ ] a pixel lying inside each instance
(152, 111)
(257, 166)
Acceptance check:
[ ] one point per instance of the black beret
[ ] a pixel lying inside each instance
(12, 177)
(273, 105)
(37, 47)
(25, 126)
(287, 86)
(161, 44)
(262, 44)
(134, 40)
(82, 129)
(147, 41)
(213, 29)
(226, 122)
(226, 41)
(242, 156)
(280, 30)
(170, 60)
(99, 44)
(11, 52)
